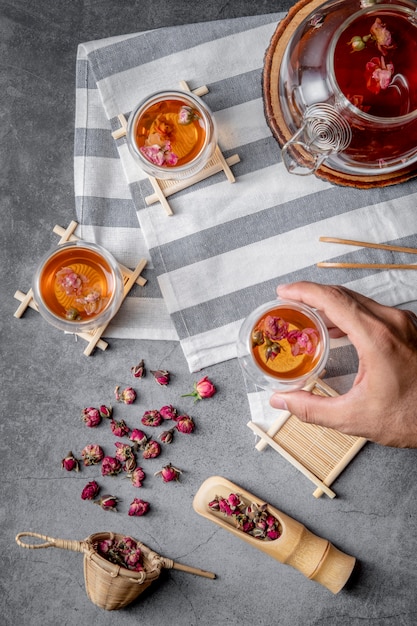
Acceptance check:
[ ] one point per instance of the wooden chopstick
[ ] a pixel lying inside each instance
(372, 266)
(367, 244)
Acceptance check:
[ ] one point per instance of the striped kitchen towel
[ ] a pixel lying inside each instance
(227, 245)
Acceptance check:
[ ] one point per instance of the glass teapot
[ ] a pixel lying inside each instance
(348, 88)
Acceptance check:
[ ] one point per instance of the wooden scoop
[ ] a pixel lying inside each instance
(313, 556)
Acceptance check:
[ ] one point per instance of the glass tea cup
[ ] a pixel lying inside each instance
(78, 287)
(171, 134)
(283, 345)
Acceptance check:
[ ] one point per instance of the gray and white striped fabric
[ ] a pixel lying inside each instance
(227, 245)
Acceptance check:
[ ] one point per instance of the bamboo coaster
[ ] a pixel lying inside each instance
(93, 338)
(320, 453)
(164, 188)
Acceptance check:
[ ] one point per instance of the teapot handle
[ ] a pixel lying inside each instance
(324, 132)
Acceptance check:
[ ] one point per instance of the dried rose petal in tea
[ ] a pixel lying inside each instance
(285, 343)
(170, 133)
(76, 284)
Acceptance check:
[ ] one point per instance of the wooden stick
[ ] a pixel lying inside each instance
(256, 429)
(193, 570)
(372, 266)
(367, 244)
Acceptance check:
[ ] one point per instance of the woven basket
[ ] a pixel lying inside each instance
(108, 585)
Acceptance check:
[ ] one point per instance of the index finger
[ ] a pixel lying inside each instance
(351, 312)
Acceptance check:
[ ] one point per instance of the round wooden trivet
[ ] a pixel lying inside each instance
(273, 112)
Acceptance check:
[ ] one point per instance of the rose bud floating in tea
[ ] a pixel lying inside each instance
(78, 287)
(283, 345)
(171, 134)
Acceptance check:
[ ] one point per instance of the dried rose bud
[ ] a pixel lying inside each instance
(214, 505)
(91, 417)
(138, 507)
(92, 454)
(151, 418)
(90, 491)
(203, 389)
(110, 466)
(130, 465)
(151, 450)
(123, 452)
(185, 424)
(137, 476)
(138, 437)
(108, 502)
(70, 463)
(128, 395)
(138, 370)
(168, 473)
(168, 412)
(133, 560)
(162, 377)
(167, 436)
(106, 411)
(119, 429)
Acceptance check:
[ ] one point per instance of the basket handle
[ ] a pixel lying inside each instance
(50, 542)
(170, 564)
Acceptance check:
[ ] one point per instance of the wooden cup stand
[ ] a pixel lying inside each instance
(93, 338)
(164, 188)
(320, 453)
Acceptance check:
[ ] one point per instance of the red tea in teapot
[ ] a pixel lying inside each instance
(375, 64)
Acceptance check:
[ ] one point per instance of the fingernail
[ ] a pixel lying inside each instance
(278, 402)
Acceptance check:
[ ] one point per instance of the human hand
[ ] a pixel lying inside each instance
(382, 403)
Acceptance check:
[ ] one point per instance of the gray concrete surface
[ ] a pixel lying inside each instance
(46, 381)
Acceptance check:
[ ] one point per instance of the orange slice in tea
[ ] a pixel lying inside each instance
(185, 136)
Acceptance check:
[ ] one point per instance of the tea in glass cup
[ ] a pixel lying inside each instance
(78, 287)
(283, 345)
(171, 134)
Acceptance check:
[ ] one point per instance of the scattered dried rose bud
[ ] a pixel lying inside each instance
(130, 464)
(151, 450)
(138, 437)
(138, 507)
(106, 411)
(168, 473)
(90, 491)
(70, 463)
(119, 429)
(151, 418)
(203, 389)
(138, 370)
(110, 466)
(162, 377)
(137, 476)
(167, 436)
(123, 452)
(91, 416)
(185, 424)
(92, 454)
(128, 395)
(108, 502)
(168, 412)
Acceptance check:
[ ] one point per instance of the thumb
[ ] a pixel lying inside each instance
(309, 407)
